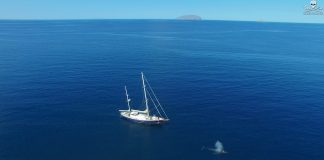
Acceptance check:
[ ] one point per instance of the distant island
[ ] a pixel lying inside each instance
(189, 17)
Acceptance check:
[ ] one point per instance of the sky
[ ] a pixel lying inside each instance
(242, 10)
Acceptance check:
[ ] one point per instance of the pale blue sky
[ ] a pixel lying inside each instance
(250, 10)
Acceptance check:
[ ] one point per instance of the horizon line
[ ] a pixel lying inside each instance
(175, 19)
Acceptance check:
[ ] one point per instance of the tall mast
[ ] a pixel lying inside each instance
(128, 100)
(146, 105)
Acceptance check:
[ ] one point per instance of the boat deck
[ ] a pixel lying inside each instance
(141, 117)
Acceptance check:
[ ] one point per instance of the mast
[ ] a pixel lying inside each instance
(144, 89)
(128, 100)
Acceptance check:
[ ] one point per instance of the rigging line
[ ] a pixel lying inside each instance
(154, 103)
(156, 98)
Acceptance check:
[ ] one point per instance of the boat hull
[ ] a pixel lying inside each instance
(142, 118)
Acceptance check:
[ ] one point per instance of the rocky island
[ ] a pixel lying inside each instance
(189, 17)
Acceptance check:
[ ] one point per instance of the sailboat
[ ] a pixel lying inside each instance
(145, 116)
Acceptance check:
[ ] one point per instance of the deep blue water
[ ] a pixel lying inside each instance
(257, 87)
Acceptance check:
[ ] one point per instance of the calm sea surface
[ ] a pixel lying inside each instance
(256, 87)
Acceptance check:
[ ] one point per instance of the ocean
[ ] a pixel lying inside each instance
(256, 87)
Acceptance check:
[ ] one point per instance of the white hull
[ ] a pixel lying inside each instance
(141, 117)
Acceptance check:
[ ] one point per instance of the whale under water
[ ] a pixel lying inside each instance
(219, 148)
